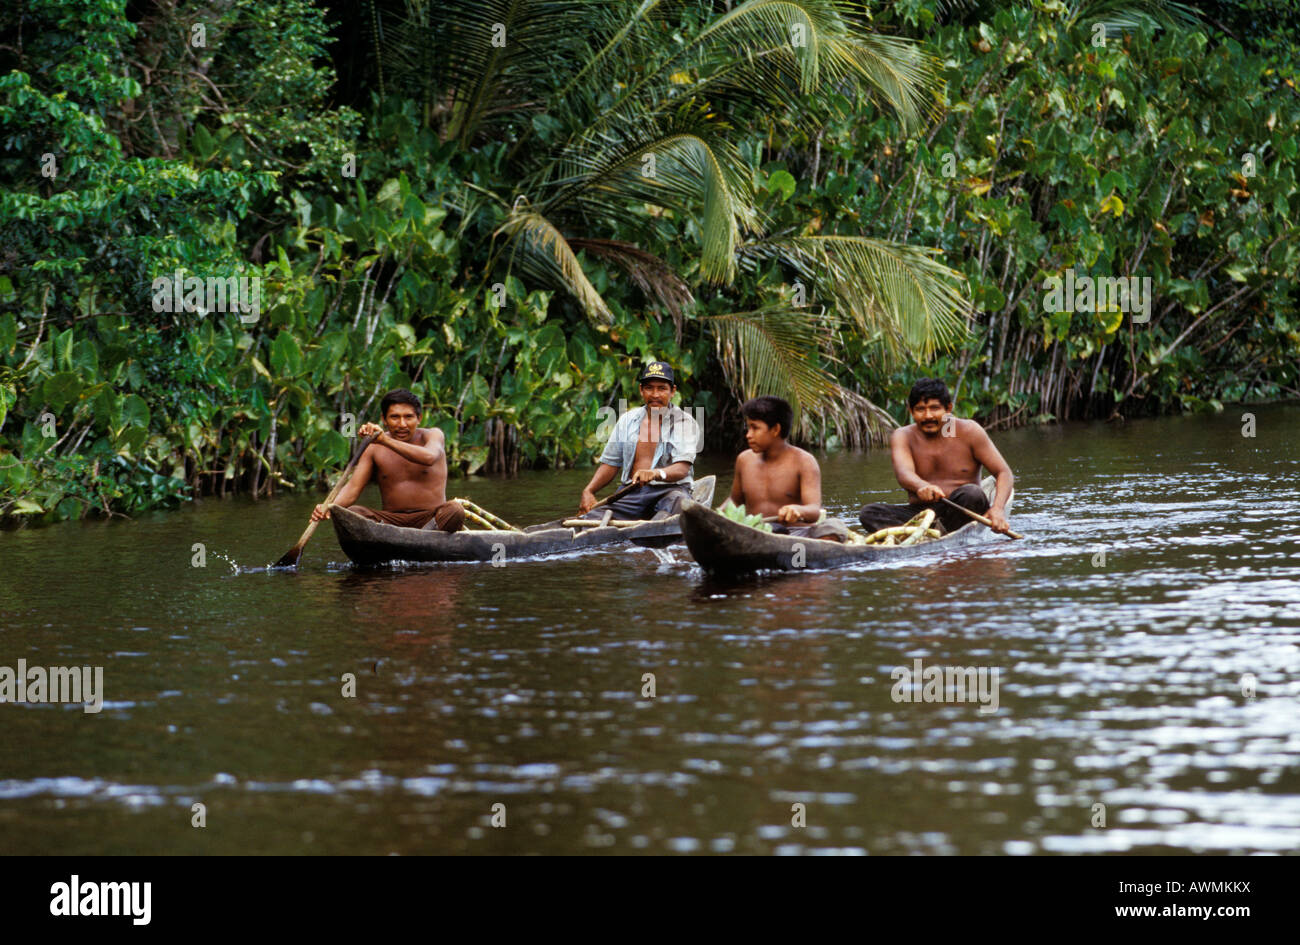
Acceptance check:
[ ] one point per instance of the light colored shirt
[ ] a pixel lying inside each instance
(679, 440)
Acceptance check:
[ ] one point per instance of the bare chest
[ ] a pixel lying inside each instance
(771, 484)
(391, 468)
(944, 458)
(647, 441)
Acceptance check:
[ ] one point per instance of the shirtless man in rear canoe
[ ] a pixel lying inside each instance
(938, 456)
(776, 478)
(409, 464)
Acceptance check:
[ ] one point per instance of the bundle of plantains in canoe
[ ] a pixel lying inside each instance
(478, 518)
(913, 532)
(476, 515)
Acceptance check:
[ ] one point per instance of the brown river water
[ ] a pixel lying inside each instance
(1145, 638)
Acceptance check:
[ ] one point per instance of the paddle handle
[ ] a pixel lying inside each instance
(979, 518)
(612, 496)
(347, 474)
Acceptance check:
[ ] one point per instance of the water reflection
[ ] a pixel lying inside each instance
(407, 610)
(781, 588)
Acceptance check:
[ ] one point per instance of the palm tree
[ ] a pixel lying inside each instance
(618, 118)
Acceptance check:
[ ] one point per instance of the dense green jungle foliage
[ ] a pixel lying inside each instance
(509, 206)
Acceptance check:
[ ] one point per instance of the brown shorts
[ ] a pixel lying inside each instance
(448, 517)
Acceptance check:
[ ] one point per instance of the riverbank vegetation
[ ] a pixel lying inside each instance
(507, 211)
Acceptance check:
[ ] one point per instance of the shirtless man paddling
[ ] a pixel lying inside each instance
(774, 478)
(409, 464)
(938, 456)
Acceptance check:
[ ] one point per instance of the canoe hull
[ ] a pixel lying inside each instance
(722, 546)
(368, 542)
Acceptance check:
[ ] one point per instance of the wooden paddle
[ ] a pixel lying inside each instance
(614, 495)
(979, 518)
(290, 558)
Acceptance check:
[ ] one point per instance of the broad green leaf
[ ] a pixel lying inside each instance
(62, 389)
(8, 333)
(333, 448)
(135, 412)
(286, 356)
(7, 398)
(783, 183)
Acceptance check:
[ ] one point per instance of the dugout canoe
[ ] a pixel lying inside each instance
(723, 546)
(368, 542)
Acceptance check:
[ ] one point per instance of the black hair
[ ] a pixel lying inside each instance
(399, 396)
(770, 410)
(929, 388)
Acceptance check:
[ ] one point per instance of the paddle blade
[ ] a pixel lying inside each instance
(290, 558)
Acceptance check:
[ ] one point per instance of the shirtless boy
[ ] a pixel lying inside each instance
(409, 464)
(775, 478)
(938, 456)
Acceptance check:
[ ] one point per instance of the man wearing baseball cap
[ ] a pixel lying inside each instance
(653, 448)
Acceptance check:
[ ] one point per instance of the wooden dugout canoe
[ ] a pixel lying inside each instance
(722, 546)
(367, 542)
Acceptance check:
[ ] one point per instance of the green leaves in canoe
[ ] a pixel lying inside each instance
(737, 513)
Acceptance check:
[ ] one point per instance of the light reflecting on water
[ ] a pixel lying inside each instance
(1161, 576)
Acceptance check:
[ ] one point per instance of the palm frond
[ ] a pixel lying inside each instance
(480, 59)
(773, 351)
(1134, 14)
(681, 169)
(897, 293)
(542, 252)
(778, 52)
(897, 72)
(654, 277)
(645, 11)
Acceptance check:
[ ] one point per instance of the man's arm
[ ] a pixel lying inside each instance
(810, 494)
(610, 463)
(424, 455)
(604, 473)
(989, 457)
(356, 485)
(683, 438)
(671, 473)
(737, 496)
(905, 469)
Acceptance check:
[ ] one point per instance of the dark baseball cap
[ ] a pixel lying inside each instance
(657, 371)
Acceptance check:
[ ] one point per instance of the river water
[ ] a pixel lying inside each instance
(1146, 638)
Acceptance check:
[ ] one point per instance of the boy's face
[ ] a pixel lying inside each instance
(760, 436)
(657, 393)
(402, 420)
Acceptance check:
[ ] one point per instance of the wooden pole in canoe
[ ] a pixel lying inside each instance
(290, 558)
(611, 497)
(980, 518)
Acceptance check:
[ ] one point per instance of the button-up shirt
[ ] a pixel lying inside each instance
(679, 441)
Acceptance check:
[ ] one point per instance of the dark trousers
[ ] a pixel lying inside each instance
(880, 515)
(644, 502)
